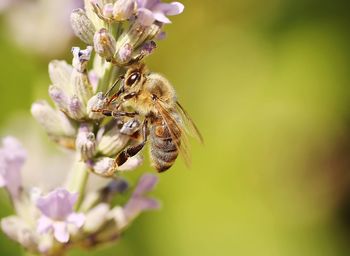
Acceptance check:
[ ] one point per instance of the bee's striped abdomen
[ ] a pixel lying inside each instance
(163, 148)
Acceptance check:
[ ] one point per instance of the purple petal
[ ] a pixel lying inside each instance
(58, 204)
(146, 184)
(147, 48)
(77, 219)
(13, 180)
(145, 17)
(14, 149)
(61, 232)
(12, 157)
(161, 36)
(44, 225)
(173, 8)
(159, 16)
(135, 206)
(147, 3)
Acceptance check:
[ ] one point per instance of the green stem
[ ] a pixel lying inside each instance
(77, 180)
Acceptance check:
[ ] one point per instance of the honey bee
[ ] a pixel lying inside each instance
(165, 123)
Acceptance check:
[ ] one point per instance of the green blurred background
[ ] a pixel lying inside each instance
(268, 84)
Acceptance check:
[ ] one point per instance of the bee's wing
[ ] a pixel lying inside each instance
(189, 124)
(174, 126)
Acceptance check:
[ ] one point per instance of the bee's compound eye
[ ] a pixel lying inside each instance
(133, 78)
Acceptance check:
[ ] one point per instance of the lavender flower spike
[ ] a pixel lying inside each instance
(12, 157)
(118, 34)
(151, 10)
(57, 214)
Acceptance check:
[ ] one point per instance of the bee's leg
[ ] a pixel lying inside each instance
(130, 96)
(133, 150)
(118, 93)
(117, 114)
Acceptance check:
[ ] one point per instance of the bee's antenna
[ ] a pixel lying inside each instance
(113, 86)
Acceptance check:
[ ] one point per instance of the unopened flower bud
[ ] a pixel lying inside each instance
(81, 87)
(96, 103)
(82, 26)
(119, 216)
(59, 97)
(144, 50)
(105, 166)
(136, 36)
(81, 58)
(124, 54)
(96, 218)
(104, 44)
(75, 108)
(114, 187)
(54, 122)
(107, 11)
(112, 140)
(16, 229)
(130, 127)
(123, 9)
(60, 72)
(86, 143)
(131, 164)
(94, 79)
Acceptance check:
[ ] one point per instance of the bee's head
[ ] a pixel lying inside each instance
(134, 77)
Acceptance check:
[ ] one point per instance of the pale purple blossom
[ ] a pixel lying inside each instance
(12, 158)
(57, 214)
(153, 10)
(139, 201)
